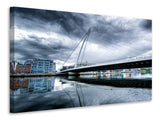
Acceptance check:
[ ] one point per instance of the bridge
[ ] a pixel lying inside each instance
(140, 61)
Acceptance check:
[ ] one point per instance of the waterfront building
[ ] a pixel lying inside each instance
(13, 66)
(63, 68)
(54, 67)
(27, 68)
(20, 68)
(66, 67)
(43, 66)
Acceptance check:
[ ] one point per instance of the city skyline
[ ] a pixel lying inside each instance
(54, 34)
(38, 66)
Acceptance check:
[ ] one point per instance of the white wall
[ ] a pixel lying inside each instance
(130, 111)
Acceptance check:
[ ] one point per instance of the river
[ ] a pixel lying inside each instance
(44, 93)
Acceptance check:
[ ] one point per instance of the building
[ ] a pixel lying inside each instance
(54, 67)
(27, 68)
(66, 67)
(13, 67)
(43, 66)
(22, 68)
(19, 68)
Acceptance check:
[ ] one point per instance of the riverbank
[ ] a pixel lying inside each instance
(32, 75)
(61, 74)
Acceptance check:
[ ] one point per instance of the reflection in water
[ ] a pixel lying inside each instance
(43, 93)
(35, 85)
(134, 75)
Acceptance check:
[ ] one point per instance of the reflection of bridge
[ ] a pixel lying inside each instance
(135, 62)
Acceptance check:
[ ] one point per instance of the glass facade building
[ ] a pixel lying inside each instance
(43, 66)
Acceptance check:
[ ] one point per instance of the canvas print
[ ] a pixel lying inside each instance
(64, 59)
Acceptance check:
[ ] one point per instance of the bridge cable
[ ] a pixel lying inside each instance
(124, 46)
(74, 49)
(86, 36)
(84, 50)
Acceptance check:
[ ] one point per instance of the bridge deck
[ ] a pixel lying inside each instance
(111, 66)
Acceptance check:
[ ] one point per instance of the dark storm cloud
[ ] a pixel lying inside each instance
(74, 24)
(36, 41)
(70, 23)
(146, 24)
(107, 32)
(32, 47)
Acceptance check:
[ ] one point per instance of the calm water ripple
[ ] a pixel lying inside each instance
(43, 93)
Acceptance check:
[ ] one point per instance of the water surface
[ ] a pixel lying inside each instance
(43, 93)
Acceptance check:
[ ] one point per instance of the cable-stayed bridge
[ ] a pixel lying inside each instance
(140, 61)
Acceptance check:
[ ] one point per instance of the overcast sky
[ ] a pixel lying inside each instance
(53, 35)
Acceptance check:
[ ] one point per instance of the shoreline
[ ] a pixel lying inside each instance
(81, 74)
